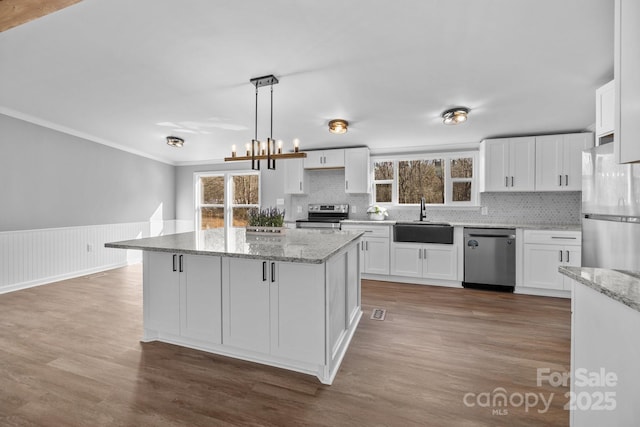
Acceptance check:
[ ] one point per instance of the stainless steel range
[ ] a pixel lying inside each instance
(324, 216)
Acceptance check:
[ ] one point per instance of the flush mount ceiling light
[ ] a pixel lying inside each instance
(338, 126)
(257, 150)
(174, 141)
(455, 116)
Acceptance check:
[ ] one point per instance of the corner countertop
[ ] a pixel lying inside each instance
(622, 286)
(567, 227)
(295, 245)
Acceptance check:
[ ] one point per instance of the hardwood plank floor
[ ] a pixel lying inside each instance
(70, 356)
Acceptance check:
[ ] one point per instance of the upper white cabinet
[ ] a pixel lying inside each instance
(559, 161)
(509, 164)
(294, 177)
(327, 159)
(605, 109)
(357, 170)
(627, 81)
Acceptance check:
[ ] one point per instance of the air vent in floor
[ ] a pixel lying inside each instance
(378, 314)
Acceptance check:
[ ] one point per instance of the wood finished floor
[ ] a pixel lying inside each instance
(70, 356)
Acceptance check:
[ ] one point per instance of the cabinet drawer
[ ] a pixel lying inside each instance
(553, 237)
(369, 230)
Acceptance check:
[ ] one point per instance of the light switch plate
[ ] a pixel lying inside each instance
(299, 209)
(484, 210)
(354, 209)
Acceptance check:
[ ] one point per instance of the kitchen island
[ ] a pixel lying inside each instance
(291, 301)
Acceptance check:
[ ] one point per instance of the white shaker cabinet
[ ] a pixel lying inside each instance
(185, 297)
(626, 67)
(508, 163)
(374, 247)
(294, 177)
(544, 252)
(268, 308)
(326, 159)
(559, 161)
(605, 109)
(357, 170)
(423, 260)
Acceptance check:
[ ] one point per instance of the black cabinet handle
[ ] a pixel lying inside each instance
(181, 269)
(567, 256)
(174, 262)
(566, 180)
(512, 181)
(273, 272)
(264, 271)
(560, 182)
(560, 256)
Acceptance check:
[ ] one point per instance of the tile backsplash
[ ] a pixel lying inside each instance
(327, 186)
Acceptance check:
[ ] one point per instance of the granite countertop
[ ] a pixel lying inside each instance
(567, 227)
(306, 246)
(622, 286)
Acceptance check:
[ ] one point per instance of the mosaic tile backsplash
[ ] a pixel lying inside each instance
(561, 208)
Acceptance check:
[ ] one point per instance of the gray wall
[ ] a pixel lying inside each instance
(271, 184)
(52, 179)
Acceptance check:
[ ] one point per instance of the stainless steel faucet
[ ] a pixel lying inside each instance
(423, 209)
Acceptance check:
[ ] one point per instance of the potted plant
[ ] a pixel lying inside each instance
(266, 221)
(377, 213)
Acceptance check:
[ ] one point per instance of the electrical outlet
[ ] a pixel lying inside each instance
(299, 209)
(89, 247)
(354, 209)
(484, 210)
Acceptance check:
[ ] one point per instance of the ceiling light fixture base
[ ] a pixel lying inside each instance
(174, 141)
(269, 80)
(455, 116)
(338, 126)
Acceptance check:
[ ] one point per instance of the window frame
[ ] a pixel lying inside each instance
(448, 184)
(228, 204)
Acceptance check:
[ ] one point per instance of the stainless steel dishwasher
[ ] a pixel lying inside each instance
(490, 258)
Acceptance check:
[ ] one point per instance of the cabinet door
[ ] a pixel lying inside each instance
(627, 77)
(406, 259)
(297, 311)
(573, 258)
(314, 160)
(572, 159)
(333, 159)
(294, 182)
(496, 160)
(522, 164)
(161, 292)
(549, 171)
(357, 170)
(245, 304)
(541, 266)
(605, 109)
(200, 298)
(376, 255)
(440, 262)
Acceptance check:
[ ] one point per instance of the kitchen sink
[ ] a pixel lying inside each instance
(423, 232)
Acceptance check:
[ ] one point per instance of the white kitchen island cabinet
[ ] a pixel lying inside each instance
(291, 301)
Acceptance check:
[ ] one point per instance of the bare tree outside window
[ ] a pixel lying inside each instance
(461, 174)
(383, 179)
(421, 178)
(245, 195)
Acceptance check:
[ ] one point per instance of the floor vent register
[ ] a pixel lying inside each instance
(378, 314)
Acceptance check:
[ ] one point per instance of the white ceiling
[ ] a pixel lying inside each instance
(129, 73)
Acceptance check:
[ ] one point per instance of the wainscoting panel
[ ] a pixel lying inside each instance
(35, 257)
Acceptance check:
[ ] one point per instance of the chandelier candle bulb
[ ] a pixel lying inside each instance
(233, 150)
(296, 145)
(279, 146)
(248, 147)
(263, 148)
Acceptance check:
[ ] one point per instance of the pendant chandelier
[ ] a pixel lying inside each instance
(266, 150)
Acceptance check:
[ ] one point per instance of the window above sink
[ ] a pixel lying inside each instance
(444, 179)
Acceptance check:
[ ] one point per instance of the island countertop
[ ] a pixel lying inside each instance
(622, 286)
(296, 245)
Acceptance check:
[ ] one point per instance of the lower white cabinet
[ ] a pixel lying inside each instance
(275, 308)
(374, 247)
(423, 260)
(544, 252)
(185, 297)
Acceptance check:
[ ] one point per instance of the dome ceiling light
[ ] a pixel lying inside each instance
(338, 126)
(455, 116)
